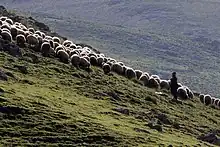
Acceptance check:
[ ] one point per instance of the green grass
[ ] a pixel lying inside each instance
(57, 104)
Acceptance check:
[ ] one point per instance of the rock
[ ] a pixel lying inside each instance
(164, 119)
(10, 48)
(210, 138)
(23, 69)
(122, 110)
(154, 124)
(3, 76)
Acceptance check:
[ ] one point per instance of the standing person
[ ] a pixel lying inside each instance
(174, 85)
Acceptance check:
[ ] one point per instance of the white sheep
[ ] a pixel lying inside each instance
(45, 49)
(32, 41)
(182, 93)
(56, 39)
(63, 56)
(130, 73)
(164, 84)
(207, 99)
(201, 98)
(6, 36)
(93, 60)
(144, 79)
(75, 60)
(117, 68)
(138, 73)
(8, 20)
(153, 83)
(31, 30)
(21, 40)
(106, 68)
(84, 63)
(100, 61)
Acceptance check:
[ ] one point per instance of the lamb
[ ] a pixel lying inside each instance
(117, 68)
(182, 93)
(6, 36)
(144, 79)
(130, 73)
(84, 63)
(106, 68)
(207, 99)
(56, 39)
(75, 60)
(20, 39)
(153, 83)
(164, 84)
(138, 73)
(63, 56)
(45, 49)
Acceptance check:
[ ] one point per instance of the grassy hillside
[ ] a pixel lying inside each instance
(156, 36)
(55, 104)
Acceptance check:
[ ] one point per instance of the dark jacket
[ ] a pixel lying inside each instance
(173, 85)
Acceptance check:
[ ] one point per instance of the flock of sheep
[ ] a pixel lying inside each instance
(84, 57)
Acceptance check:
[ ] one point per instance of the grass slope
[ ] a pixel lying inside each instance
(55, 104)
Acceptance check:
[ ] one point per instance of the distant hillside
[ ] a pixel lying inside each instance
(155, 36)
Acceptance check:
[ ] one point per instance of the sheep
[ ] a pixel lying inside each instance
(75, 60)
(8, 20)
(156, 77)
(56, 39)
(106, 68)
(182, 93)
(164, 84)
(144, 79)
(6, 26)
(147, 74)
(14, 32)
(93, 60)
(32, 41)
(100, 60)
(20, 39)
(207, 99)
(67, 42)
(130, 73)
(153, 83)
(138, 73)
(31, 30)
(60, 47)
(6, 36)
(189, 92)
(55, 44)
(3, 18)
(84, 63)
(63, 56)
(201, 98)
(117, 68)
(121, 63)
(72, 46)
(45, 49)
